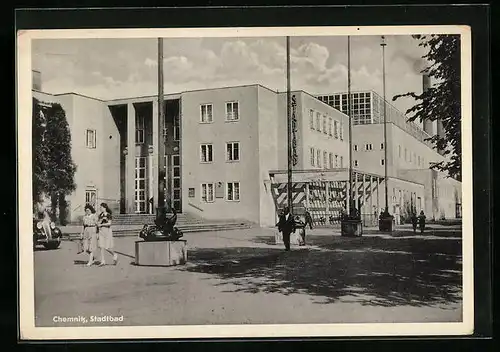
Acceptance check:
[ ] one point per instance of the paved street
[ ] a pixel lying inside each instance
(240, 276)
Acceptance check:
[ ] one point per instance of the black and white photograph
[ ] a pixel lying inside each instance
(250, 182)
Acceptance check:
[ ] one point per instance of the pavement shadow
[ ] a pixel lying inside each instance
(368, 270)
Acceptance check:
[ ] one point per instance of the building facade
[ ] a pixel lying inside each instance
(223, 146)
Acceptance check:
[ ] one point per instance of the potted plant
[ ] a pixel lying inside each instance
(351, 224)
(386, 221)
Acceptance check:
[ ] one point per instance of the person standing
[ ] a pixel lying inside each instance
(106, 234)
(421, 222)
(309, 220)
(414, 221)
(286, 225)
(89, 234)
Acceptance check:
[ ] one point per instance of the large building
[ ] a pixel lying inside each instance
(224, 149)
(409, 155)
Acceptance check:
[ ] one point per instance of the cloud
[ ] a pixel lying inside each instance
(116, 68)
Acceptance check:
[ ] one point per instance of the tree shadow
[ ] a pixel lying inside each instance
(368, 270)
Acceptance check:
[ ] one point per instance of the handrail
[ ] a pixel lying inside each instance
(194, 206)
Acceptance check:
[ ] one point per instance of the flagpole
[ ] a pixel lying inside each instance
(161, 125)
(289, 125)
(383, 44)
(350, 195)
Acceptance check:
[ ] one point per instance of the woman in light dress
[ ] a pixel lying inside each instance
(89, 234)
(106, 234)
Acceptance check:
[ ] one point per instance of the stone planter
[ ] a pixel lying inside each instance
(160, 253)
(351, 228)
(386, 224)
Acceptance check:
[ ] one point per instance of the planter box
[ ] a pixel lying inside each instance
(161, 253)
(386, 224)
(351, 228)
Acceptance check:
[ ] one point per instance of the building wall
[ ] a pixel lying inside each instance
(246, 171)
(85, 113)
(268, 152)
(414, 150)
(318, 139)
(369, 160)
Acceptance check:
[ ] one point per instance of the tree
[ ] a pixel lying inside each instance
(53, 167)
(443, 100)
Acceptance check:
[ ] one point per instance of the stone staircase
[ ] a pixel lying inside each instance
(131, 224)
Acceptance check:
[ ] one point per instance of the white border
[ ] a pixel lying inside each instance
(28, 330)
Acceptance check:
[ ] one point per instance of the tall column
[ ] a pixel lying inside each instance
(371, 199)
(130, 166)
(356, 199)
(156, 173)
(327, 193)
(307, 196)
(378, 202)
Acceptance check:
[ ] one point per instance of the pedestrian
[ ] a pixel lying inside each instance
(89, 233)
(421, 222)
(414, 221)
(309, 220)
(106, 234)
(286, 225)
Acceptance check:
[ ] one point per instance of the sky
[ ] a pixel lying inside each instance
(121, 68)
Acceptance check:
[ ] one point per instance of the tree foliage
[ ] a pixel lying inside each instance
(443, 99)
(53, 167)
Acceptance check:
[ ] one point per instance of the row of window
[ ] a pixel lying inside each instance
(232, 152)
(326, 125)
(411, 157)
(325, 159)
(356, 162)
(232, 192)
(232, 112)
(367, 147)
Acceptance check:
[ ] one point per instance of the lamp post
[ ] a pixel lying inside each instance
(385, 223)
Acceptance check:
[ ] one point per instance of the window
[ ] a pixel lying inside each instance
(232, 111)
(330, 120)
(325, 131)
(313, 156)
(206, 153)
(90, 139)
(337, 160)
(91, 197)
(336, 129)
(233, 191)
(325, 160)
(381, 146)
(355, 147)
(206, 113)
(399, 150)
(233, 151)
(406, 155)
(318, 121)
(177, 129)
(318, 158)
(207, 192)
(414, 157)
(356, 164)
(139, 130)
(140, 184)
(341, 161)
(382, 162)
(311, 119)
(369, 146)
(341, 131)
(331, 160)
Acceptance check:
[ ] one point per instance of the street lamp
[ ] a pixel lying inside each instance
(385, 223)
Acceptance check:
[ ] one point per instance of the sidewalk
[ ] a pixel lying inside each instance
(241, 276)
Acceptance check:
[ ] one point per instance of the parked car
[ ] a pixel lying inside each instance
(40, 237)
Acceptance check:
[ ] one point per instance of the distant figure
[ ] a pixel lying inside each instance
(414, 221)
(309, 220)
(286, 225)
(421, 222)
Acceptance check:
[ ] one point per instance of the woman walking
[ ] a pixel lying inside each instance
(89, 234)
(106, 234)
